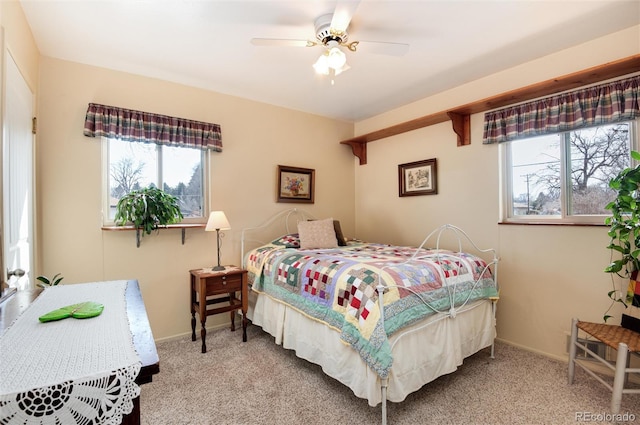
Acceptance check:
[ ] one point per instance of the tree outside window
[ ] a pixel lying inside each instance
(566, 175)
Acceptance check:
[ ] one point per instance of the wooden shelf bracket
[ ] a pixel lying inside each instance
(461, 126)
(359, 149)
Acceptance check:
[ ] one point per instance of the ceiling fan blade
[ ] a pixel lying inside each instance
(343, 13)
(282, 42)
(379, 48)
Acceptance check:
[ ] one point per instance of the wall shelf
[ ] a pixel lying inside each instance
(460, 116)
(182, 226)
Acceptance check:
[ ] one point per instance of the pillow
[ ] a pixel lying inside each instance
(341, 239)
(317, 234)
(289, 241)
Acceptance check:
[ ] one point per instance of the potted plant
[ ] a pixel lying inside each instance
(147, 209)
(45, 282)
(624, 231)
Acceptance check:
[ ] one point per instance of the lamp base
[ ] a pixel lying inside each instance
(217, 268)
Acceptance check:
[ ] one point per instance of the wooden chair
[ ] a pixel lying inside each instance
(625, 341)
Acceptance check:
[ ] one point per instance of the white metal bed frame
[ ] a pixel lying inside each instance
(438, 232)
(300, 215)
(286, 216)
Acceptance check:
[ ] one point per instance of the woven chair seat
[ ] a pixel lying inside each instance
(612, 335)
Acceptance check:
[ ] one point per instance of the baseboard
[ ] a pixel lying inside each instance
(532, 350)
(188, 334)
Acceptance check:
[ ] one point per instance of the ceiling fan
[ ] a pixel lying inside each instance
(331, 34)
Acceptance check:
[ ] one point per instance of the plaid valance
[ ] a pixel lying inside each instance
(601, 104)
(137, 126)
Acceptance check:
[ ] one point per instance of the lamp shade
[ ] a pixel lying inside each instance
(217, 221)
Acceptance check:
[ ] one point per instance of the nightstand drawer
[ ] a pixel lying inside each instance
(224, 284)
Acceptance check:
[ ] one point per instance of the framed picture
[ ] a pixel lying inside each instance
(295, 184)
(418, 178)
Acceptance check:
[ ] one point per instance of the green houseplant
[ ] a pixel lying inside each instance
(624, 228)
(45, 282)
(147, 209)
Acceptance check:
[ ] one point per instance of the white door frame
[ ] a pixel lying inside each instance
(17, 229)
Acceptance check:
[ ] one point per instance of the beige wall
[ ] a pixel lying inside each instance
(547, 274)
(19, 41)
(256, 137)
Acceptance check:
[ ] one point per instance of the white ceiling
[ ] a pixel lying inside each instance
(206, 44)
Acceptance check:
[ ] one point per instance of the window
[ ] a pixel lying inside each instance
(179, 171)
(564, 177)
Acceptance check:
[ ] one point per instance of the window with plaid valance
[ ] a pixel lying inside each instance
(146, 127)
(605, 103)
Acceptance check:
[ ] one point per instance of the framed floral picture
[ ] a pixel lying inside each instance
(418, 178)
(296, 184)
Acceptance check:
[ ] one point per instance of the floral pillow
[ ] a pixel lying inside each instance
(288, 241)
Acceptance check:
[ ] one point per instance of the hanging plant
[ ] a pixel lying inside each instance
(624, 229)
(147, 209)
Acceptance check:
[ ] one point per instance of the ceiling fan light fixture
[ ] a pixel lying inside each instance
(322, 65)
(332, 36)
(336, 58)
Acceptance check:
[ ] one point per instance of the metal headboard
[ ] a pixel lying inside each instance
(282, 223)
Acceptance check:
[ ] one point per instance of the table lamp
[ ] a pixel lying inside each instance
(217, 221)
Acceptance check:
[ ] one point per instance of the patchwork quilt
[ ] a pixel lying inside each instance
(338, 287)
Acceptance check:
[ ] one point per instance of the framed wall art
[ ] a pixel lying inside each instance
(418, 178)
(296, 184)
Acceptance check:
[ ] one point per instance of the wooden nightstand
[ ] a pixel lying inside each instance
(207, 286)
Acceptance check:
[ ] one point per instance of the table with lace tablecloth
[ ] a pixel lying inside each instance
(76, 371)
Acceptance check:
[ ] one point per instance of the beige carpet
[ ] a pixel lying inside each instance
(259, 382)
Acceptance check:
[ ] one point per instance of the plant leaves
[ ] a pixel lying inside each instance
(83, 310)
(49, 282)
(147, 209)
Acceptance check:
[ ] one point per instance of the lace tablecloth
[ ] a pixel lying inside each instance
(72, 371)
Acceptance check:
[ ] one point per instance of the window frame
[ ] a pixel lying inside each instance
(205, 163)
(506, 191)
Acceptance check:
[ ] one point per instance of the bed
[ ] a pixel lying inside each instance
(383, 320)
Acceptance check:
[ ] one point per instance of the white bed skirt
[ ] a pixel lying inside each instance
(443, 345)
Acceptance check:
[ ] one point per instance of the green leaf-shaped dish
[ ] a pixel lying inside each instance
(78, 311)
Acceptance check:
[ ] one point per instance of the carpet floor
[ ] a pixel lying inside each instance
(259, 382)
